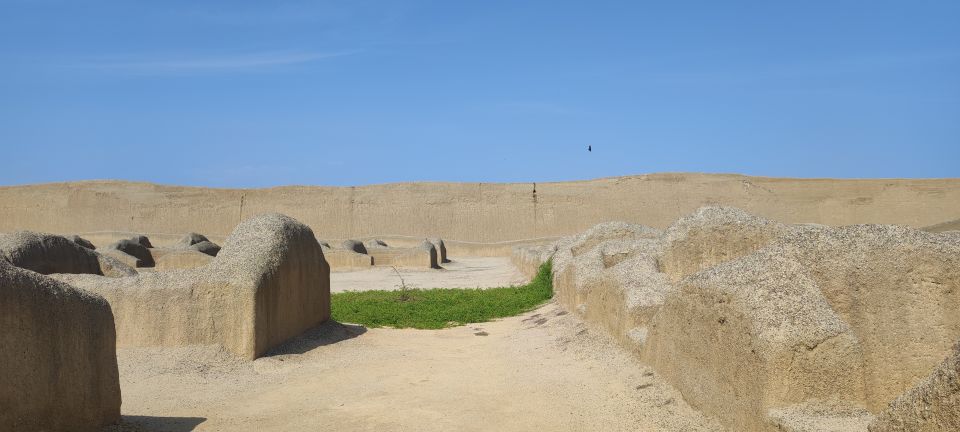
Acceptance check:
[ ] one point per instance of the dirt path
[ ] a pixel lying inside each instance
(540, 371)
(470, 272)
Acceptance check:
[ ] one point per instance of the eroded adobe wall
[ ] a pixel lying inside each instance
(58, 356)
(414, 257)
(174, 308)
(473, 212)
(752, 335)
(291, 277)
(898, 289)
(341, 259)
(270, 282)
(172, 259)
(768, 326)
(932, 405)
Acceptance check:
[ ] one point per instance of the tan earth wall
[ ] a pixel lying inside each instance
(527, 260)
(176, 308)
(473, 212)
(414, 257)
(932, 405)
(171, 259)
(58, 365)
(340, 259)
(269, 283)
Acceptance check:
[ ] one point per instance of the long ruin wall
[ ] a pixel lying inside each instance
(473, 212)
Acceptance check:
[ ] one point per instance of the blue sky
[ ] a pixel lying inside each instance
(256, 93)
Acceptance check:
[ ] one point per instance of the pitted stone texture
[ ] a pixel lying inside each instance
(766, 325)
(931, 405)
(47, 253)
(269, 282)
(59, 358)
(751, 335)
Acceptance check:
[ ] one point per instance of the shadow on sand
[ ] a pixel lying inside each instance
(327, 333)
(135, 423)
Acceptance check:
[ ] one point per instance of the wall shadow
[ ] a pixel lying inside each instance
(136, 423)
(327, 333)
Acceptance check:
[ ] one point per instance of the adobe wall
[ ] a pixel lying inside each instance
(473, 212)
(767, 326)
(270, 282)
(59, 366)
(415, 257)
(932, 405)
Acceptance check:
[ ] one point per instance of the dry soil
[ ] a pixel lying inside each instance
(543, 370)
(469, 272)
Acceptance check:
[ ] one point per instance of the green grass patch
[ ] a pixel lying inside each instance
(441, 307)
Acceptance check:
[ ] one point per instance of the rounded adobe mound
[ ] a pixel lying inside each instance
(191, 239)
(751, 318)
(263, 241)
(47, 253)
(82, 242)
(142, 240)
(135, 249)
(59, 363)
(206, 247)
(375, 243)
(270, 282)
(933, 404)
(354, 245)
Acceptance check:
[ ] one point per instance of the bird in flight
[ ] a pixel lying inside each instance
(589, 148)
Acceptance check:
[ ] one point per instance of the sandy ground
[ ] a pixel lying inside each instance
(543, 371)
(471, 272)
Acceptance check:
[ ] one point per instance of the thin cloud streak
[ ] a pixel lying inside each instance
(239, 62)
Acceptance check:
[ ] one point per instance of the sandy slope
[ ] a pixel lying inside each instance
(540, 371)
(470, 272)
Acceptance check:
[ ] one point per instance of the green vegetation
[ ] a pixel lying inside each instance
(441, 307)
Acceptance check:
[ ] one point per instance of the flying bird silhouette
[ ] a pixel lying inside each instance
(589, 148)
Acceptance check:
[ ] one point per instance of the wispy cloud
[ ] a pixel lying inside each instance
(207, 64)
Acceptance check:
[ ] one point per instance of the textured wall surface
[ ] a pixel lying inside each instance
(270, 282)
(775, 327)
(58, 365)
(932, 405)
(474, 212)
(416, 257)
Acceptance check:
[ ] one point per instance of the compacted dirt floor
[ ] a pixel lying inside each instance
(543, 370)
(468, 272)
